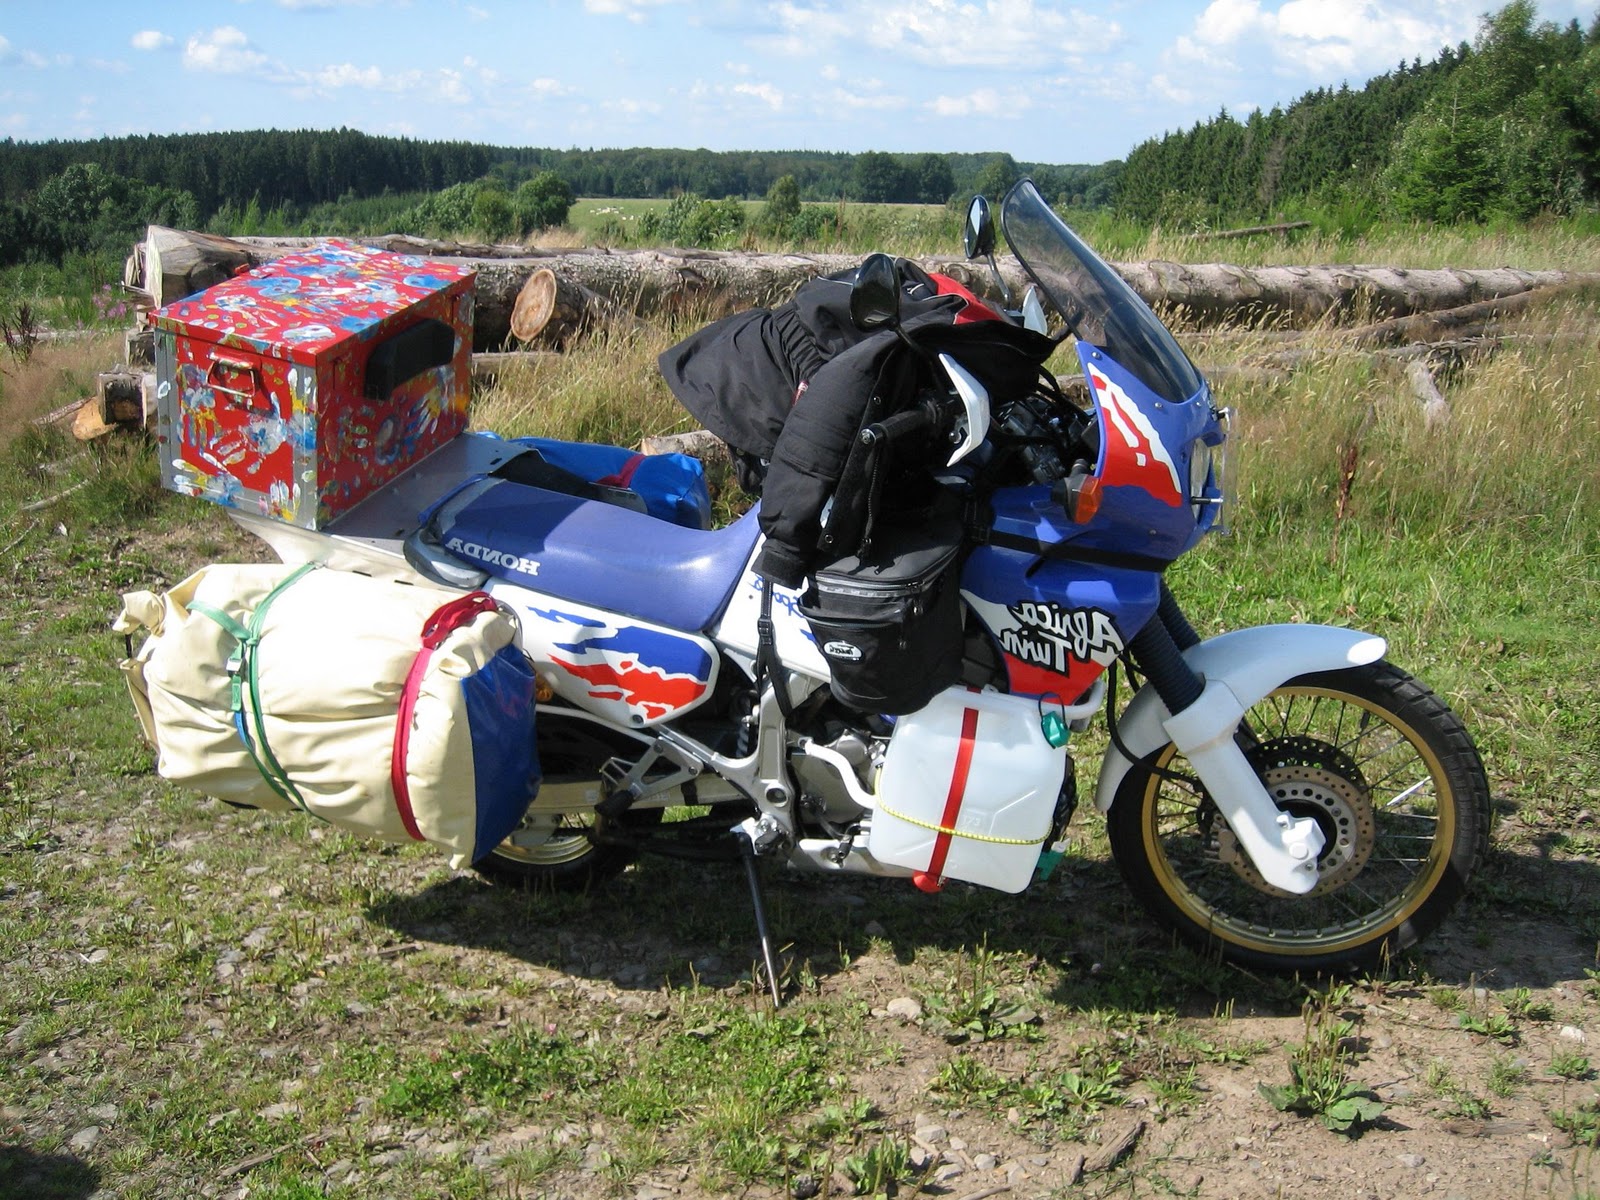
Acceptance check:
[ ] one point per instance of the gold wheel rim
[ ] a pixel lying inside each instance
(1383, 919)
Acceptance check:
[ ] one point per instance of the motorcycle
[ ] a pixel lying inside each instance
(1281, 795)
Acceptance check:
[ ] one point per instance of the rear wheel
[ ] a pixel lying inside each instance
(561, 845)
(559, 850)
(1384, 768)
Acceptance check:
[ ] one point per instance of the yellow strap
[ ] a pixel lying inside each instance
(960, 833)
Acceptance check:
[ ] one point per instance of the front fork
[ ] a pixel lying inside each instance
(1205, 716)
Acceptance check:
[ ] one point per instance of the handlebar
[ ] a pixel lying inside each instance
(924, 416)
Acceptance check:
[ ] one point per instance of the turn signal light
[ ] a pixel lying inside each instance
(1079, 495)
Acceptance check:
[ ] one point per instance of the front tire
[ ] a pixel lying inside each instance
(1387, 770)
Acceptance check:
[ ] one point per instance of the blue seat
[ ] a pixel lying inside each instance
(599, 554)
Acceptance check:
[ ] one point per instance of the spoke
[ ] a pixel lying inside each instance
(1410, 791)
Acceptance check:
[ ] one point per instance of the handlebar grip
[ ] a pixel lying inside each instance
(899, 425)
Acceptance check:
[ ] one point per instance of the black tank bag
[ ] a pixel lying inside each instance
(889, 621)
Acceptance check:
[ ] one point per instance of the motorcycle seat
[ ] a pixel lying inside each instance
(591, 552)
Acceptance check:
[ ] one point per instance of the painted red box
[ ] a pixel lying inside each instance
(297, 389)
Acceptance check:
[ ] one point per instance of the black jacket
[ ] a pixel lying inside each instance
(796, 384)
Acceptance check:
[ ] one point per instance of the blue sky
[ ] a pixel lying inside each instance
(1043, 81)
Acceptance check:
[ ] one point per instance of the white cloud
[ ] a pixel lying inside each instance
(1016, 35)
(549, 89)
(765, 92)
(632, 108)
(634, 10)
(1325, 38)
(451, 89)
(150, 39)
(341, 75)
(225, 50)
(840, 99)
(984, 102)
(29, 58)
(477, 15)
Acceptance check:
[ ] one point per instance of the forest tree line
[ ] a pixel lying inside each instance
(1507, 127)
(61, 197)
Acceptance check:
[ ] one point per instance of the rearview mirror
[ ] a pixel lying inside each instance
(875, 295)
(978, 237)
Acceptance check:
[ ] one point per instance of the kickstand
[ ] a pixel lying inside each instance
(747, 851)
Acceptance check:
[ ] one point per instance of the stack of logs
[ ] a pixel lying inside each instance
(532, 302)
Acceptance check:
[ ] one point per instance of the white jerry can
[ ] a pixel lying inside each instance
(968, 791)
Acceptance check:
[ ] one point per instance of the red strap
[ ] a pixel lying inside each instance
(623, 476)
(447, 618)
(930, 879)
(439, 625)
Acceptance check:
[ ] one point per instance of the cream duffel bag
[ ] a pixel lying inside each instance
(395, 711)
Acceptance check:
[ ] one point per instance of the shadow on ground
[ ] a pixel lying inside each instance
(670, 924)
(27, 1173)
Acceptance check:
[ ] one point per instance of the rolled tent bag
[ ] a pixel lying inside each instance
(386, 709)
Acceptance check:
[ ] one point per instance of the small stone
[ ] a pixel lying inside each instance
(85, 1139)
(1410, 1160)
(805, 1187)
(1573, 1034)
(906, 1008)
(985, 1162)
(106, 1114)
(918, 1158)
(958, 1143)
(874, 929)
(948, 1172)
(932, 1134)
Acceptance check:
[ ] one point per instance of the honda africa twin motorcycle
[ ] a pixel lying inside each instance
(1281, 794)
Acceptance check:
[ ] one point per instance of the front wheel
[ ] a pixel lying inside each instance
(1380, 763)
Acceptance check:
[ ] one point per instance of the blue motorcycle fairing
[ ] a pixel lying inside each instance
(1059, 624)
(598, 554)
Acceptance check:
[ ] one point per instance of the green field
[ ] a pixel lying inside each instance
(203, 1001)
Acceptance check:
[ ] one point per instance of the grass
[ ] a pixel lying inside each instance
(234, 1000)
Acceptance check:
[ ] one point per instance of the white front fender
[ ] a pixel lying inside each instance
(1249, 663)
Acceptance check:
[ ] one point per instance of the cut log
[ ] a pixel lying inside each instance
(697, 443)
(1219, 293)
(139, 347)
(712, 282)
(491, 365)
(1433, 325)
(550, 310)
(179, 263)
(1248, 231)
(123, 396)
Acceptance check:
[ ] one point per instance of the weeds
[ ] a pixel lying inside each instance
(1570, 1065)
(970, 1007)
(878, 1170)
(20, 329)
(186, 963)
(1319, 1077)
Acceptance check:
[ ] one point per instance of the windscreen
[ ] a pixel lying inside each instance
(1097, 304)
